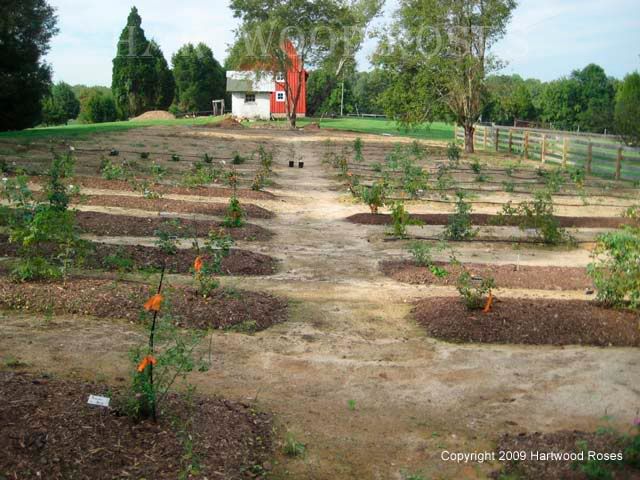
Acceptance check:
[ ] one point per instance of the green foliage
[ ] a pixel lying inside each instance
(292, 447)
(201, 174)
(166, 240)
(216, 248)
(474, 292)
(111, 171)
(509, 187)
(422, 255)
(374, 196)
(174, 352)
(459, 226)
(537, 215)
(401, 220)
(266, 158)
(453, 153)
(96, 106)
(175, 157)
(25, 33)
(141, 79)
(358, 145)
(627, 109)
(199, 78)
(476, 167)
(235, 215)
(35, 225)
(60, 106)
(238, 159)
(616, 268)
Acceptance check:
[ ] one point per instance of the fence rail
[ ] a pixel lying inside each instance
(597, 154)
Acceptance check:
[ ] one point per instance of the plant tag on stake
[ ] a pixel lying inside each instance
(98, 401)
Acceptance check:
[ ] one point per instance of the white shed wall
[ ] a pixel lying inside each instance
(261, 108)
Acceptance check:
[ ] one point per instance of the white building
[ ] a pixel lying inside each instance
(250, 94)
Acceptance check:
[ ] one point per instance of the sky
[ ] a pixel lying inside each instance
(546, 39)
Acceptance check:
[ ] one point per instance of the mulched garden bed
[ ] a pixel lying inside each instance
(506, 276)
(121, 185)
(529, 321)
(109, 257)
(105, 224)
(100, 298)
(47, 431)
(165, 205)
(482, 219)
(562, 442)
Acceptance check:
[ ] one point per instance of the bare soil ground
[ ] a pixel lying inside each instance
(351, 374)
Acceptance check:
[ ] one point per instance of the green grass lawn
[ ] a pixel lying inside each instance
(83, 130)
(435, 131)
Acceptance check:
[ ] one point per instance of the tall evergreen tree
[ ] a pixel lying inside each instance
(26, 28)
(140, 72)
(199, 78)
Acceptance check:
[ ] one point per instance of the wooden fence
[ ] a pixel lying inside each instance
(597, 154)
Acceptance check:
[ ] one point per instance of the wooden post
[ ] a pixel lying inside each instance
(484, 140)
(497, 139)
(565, 151)
(589, 157)
(510, 141)
(543, 147)
(526, 144)
(619, 163)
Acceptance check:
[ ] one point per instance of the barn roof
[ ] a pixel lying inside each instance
(248, 81)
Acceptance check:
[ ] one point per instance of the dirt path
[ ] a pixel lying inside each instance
(350, 338)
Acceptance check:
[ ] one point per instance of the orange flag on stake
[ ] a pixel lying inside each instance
(154, 303)
(146, 361)
(487, 307)
(197, 265)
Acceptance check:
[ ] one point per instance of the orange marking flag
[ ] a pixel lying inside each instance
(154, 303)
(146, 361)
(487, 307)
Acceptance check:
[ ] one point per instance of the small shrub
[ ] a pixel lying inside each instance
(206, 158)
(633, 213)
(111, 171)
(234, 217)
(401, 220)
(616, 268)
(376, 167)
(578, 176)
(175, 157)
(266, 158)
(509, 187)
(453, 153)
(358, 145)
(144, 155)
(422, 255)
(208, 266)
(459, 226)
(258, 181)
(238, 159)
(476, 166)
(158, 171)
(374, 196)
(166, 241)
(474, 292)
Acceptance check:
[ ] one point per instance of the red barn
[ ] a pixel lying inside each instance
(263, 94)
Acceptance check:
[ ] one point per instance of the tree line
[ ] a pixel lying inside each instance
(142, 78)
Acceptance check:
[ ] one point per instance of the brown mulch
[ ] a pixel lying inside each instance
(121, 185)
(121, 299)
(103, 256)
(482, 219)
(562, 442)
(507, 276)
(105, 224)
(48, 431)
(529, 321)
(228, 122)
(176, 206)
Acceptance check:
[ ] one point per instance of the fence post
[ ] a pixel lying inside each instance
(589, 157)
(543, 147)
(526, 144)
(565, 151)
(484, 140)
(510, 141)
(619, 163)
(497, 139)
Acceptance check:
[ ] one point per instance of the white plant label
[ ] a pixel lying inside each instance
(98, 401)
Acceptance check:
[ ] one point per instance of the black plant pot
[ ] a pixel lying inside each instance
(300, 164)
(291, 163)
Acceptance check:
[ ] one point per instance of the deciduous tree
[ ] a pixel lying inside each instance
(60, 106)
